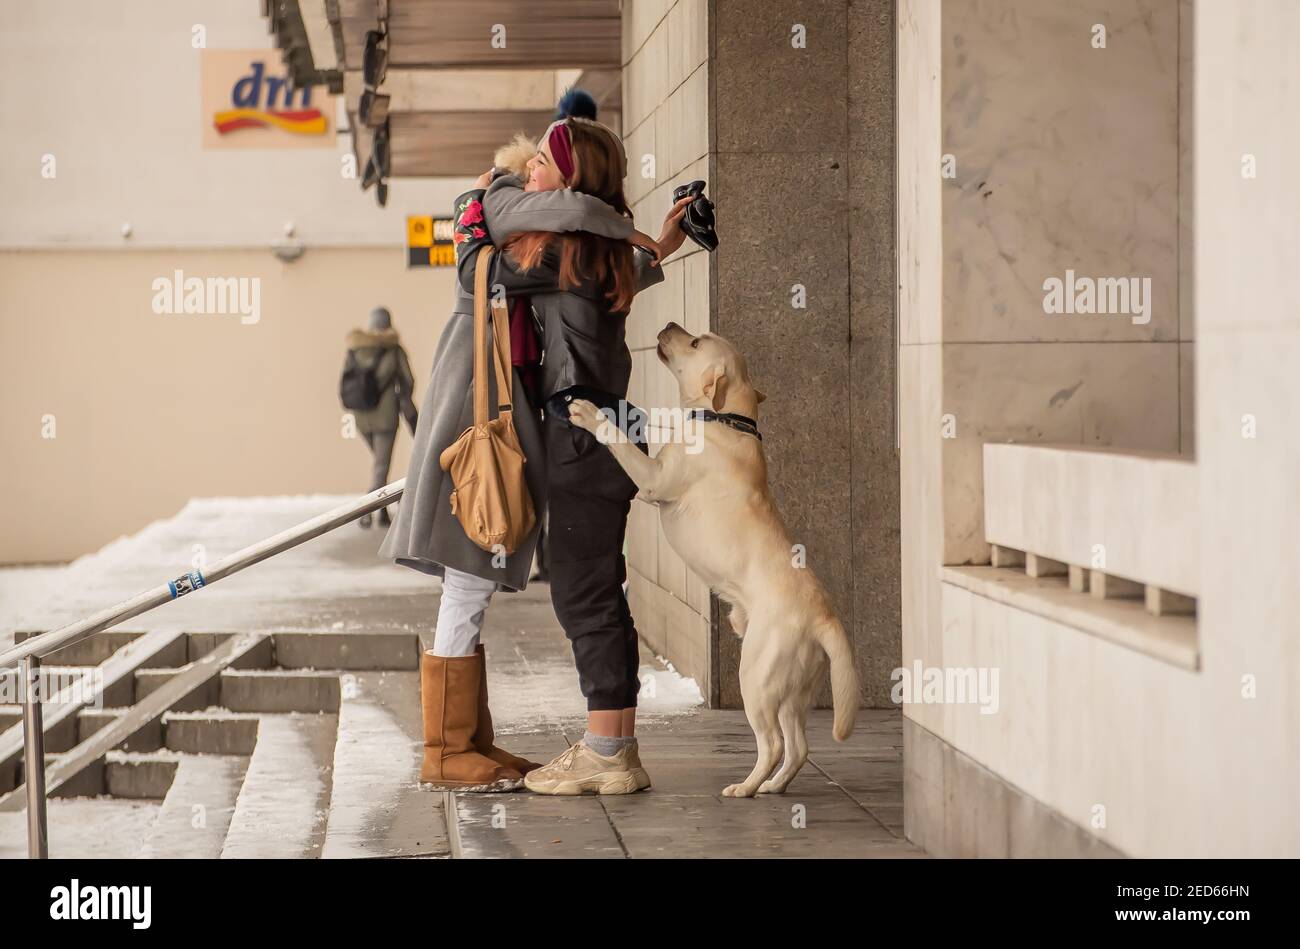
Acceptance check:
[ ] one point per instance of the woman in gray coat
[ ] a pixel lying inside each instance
(580, 289)
(459, 749)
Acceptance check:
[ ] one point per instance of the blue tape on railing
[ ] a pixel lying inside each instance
(187, 583)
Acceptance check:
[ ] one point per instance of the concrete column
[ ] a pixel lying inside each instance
(802, 168)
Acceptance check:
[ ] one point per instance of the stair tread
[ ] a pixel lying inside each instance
(377, 807)
(283, 673)
(214, 714)
(147, 710)
(203, 793)
(283, 802)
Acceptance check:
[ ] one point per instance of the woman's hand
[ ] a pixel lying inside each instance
(672, 235)
(646, 243)
(484, 179)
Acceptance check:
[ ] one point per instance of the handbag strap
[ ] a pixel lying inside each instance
(501, 354)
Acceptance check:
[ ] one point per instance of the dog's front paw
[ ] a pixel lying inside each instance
(771, 787)
(736, 790)
(585, 415)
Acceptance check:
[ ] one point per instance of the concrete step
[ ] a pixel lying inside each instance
(279, 690)
(284, 800)
(111, 684)
(137, 776)
(96, 649)
(173, 692)
(83, 681)
(377, 808)
(149, 681)
(347, 651)
(88, 782)
(60, 736)
(91, 720)
(260, 656)
(195, 815)
(212, 732)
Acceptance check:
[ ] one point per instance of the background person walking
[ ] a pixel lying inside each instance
(377, 385)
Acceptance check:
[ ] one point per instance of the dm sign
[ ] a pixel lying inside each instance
(429, 243)
(247, 102)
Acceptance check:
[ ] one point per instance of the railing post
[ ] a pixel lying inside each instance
(34, 759)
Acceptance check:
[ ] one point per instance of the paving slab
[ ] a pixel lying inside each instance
(846, 802)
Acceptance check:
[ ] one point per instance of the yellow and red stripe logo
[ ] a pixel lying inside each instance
(299, 122)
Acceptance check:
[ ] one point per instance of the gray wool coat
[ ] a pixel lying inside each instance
(425, 535)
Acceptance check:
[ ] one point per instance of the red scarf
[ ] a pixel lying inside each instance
(525, 349)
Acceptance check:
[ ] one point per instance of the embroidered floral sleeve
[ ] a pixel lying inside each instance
(470, 226)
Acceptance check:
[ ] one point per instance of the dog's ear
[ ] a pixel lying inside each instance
(714, 386)
(758, 394)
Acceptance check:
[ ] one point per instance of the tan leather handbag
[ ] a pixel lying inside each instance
(490, 496)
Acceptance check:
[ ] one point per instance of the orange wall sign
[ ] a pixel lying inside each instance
(247, 102)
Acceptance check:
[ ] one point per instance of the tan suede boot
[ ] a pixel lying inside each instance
(449, 694)
(484, 737)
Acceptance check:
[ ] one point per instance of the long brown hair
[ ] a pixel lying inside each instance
(584, 256)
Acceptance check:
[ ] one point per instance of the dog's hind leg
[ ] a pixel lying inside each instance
(760, 709)
(793, 717)
(768, 736)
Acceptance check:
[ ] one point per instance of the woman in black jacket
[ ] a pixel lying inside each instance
(580, 287)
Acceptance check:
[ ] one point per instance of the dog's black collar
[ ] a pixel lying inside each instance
(740, 423)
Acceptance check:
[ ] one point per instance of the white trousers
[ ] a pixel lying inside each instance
(465, 599)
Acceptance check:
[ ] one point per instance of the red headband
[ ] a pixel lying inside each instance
(561, 150)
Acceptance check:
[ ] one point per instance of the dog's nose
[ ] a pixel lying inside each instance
(670, 329)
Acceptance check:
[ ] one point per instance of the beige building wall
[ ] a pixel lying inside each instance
(105, 130)
(1098, 747)
(149, 410)
(666, 129)
(110, 102)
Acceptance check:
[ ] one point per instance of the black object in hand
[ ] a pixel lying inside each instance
(697, 222)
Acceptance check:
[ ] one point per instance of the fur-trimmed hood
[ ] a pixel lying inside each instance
(373, 339)
(513, 158)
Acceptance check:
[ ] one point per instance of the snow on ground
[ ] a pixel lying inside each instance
(286, 592)
(85, 828)
(548, 695)
(22, 591)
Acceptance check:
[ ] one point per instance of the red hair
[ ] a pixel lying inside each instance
(585, 256)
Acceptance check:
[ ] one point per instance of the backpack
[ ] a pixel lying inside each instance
(359, 388)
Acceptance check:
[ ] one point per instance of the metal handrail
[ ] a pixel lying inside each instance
(27, 655)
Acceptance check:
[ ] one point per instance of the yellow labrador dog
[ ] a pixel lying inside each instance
(719, 516)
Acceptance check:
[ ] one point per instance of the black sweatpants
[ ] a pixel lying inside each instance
(589, 497)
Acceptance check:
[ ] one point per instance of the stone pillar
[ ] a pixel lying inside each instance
(801, 116)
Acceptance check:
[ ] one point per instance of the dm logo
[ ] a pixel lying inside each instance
(262, 101)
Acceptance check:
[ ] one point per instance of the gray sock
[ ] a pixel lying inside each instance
(603, 745)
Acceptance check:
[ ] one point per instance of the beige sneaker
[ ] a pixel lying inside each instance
(634, 764)
(580, 769)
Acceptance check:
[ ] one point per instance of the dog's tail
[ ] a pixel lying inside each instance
(844, 677)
